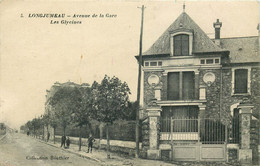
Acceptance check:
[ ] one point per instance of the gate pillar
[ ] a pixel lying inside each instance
(154, 133)
(245, 117)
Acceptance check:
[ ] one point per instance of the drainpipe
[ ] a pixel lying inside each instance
(221, 91)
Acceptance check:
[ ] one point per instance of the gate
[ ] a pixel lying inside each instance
(197, 139)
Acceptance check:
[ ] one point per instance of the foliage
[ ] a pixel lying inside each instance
(66, 100)
(110, 99)
(80, 116)
(130, 111)
(46, 119)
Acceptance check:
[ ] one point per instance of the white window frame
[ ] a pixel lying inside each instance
(149, 62)
(214, 60)
(248, 81)
(190, 34)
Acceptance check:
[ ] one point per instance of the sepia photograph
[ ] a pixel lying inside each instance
(129, 82)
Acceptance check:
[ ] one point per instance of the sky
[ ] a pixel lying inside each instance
(34, 53)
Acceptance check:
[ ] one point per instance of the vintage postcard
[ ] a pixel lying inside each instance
(129, 82)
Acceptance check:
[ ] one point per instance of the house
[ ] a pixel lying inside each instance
(201, 95)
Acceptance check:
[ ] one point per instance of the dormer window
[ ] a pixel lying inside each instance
(181, 43)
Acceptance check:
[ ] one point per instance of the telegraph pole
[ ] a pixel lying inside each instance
(139, 86)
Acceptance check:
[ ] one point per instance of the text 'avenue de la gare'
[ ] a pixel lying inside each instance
(67, 18)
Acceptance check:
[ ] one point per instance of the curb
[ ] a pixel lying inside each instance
(69, 151)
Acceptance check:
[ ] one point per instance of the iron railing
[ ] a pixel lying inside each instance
(234, 131)
(206, 131)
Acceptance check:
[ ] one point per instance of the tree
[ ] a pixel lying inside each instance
(110, 99)
(46, 122)
(29, 126)
(130, 112)
(36, 125)
(64, 102)
(81, 113)
(54, 124)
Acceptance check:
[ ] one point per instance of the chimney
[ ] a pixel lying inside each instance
(217, 25)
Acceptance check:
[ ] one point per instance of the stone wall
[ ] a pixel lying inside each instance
(233, 156)
(229, 100)
(148, 89)
(126, 147)
(213, 108)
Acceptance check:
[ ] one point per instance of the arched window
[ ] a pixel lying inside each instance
(181, 45)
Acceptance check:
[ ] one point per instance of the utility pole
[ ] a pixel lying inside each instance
(139, 86)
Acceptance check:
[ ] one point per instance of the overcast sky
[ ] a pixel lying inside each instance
(35, 53)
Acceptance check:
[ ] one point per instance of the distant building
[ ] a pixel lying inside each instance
(48, 108)
(201, 95)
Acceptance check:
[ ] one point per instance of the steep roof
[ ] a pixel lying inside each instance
(201, 42)
(242, 49)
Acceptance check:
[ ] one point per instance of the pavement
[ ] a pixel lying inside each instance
(20, 150)
(100, 156)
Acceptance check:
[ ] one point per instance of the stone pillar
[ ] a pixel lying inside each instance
(202, 95)
(154, 115)
(245, 117)
(157, 93)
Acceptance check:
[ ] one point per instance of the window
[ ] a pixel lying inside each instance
(209, 61)
(241, 80)
(181, 86)
(153, 63)
(181, 45)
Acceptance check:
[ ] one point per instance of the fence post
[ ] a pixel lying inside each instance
(198, 129)
(154, 116)
(245, 117)
(201, 117)
(171, 128)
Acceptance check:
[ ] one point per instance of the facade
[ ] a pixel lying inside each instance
(201, 95)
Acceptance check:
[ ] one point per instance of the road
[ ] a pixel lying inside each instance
(17, 149)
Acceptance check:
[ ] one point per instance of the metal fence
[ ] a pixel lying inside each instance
(207, 131)
(234, 131)
(213, 131)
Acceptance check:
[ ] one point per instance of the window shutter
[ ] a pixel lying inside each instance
(173, 86)
(181, 45)
(241, 80)
(188, 85)
(177, 45)
(185, 45)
